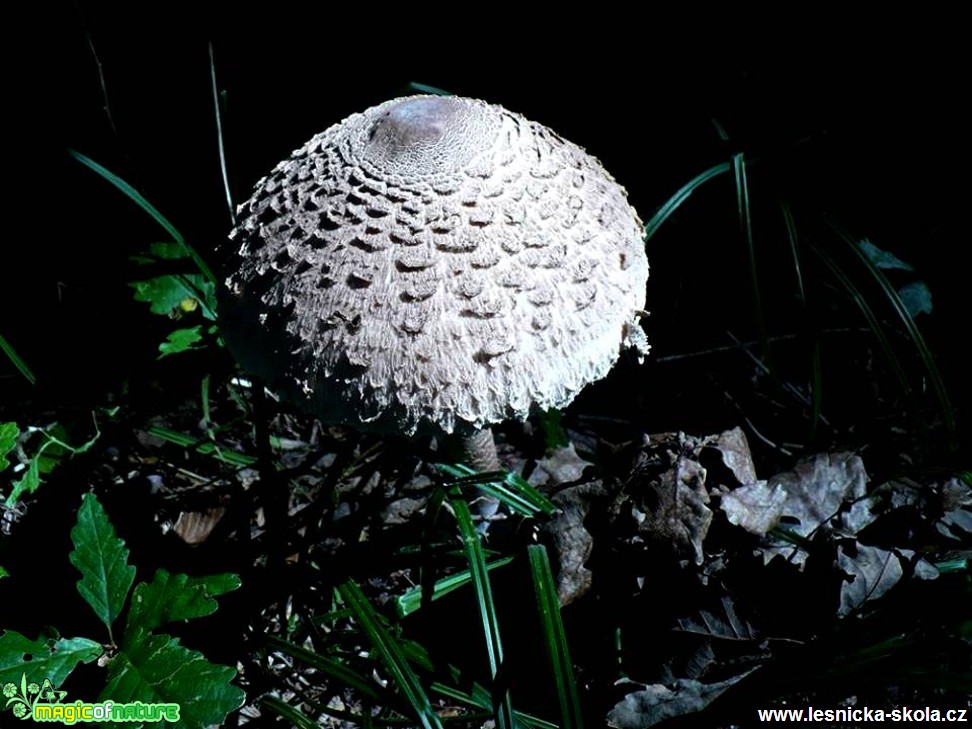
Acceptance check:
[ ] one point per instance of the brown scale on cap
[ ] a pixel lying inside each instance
(434, 264)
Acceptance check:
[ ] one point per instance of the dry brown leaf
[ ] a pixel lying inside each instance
(756, 507)
(678, 515)
(570, 542)
(657, 702)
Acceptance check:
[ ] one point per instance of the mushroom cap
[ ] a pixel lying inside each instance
(434, 263)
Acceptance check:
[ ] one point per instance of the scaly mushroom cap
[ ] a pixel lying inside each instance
(434, 262)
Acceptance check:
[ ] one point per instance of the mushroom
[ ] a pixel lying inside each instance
(435, 265)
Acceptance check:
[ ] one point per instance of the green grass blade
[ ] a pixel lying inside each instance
(289, 713)
(816, 368)
(390, 653)
(17, 361)
(411, 601)
(666, 210)
(502, 704)
(510, 488)
(329, 666)
(548, 607)
(219, 137)
(415, 87)
(202, 446)
(746, 228)
(478, 698)
(136, 197)
(793, 240)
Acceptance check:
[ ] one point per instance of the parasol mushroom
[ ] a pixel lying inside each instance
(435, 265)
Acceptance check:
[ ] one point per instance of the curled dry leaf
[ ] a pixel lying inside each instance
(656, 702)
(570, 542)
(670, 503)
(733, 449)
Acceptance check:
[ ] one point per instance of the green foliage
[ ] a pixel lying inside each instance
(156, 668)
(9, 432)
(51, 451)
(172, 598)
(102, 559)
(553, 428)
(173, 294)
(181, 340)
(145, 665)
(50, 658)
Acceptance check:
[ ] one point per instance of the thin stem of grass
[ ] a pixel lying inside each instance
(137, 197)
(17, 360)
(746, 228)
(219, 137)
(666, 210)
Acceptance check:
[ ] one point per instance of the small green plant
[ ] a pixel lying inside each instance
(143, 665)
(49, 446)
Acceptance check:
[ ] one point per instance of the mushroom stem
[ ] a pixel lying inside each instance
(478, 451)
(474, 447)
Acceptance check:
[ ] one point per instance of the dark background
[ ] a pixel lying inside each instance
(857, 120)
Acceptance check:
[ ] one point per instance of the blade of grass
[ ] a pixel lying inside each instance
(508, 487)
(666, 210)
(204, 402)
(478, 698)
(427, 568)
(791, 235)
(219, 137)
(746, 228)
(17, 361)
(202, 446)
(502, 704)
(548, 607)
(136, 197)
(329, 666)
(816, 369)
(411, 601)
(390, 654)
(415, 87)
(286, 711)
